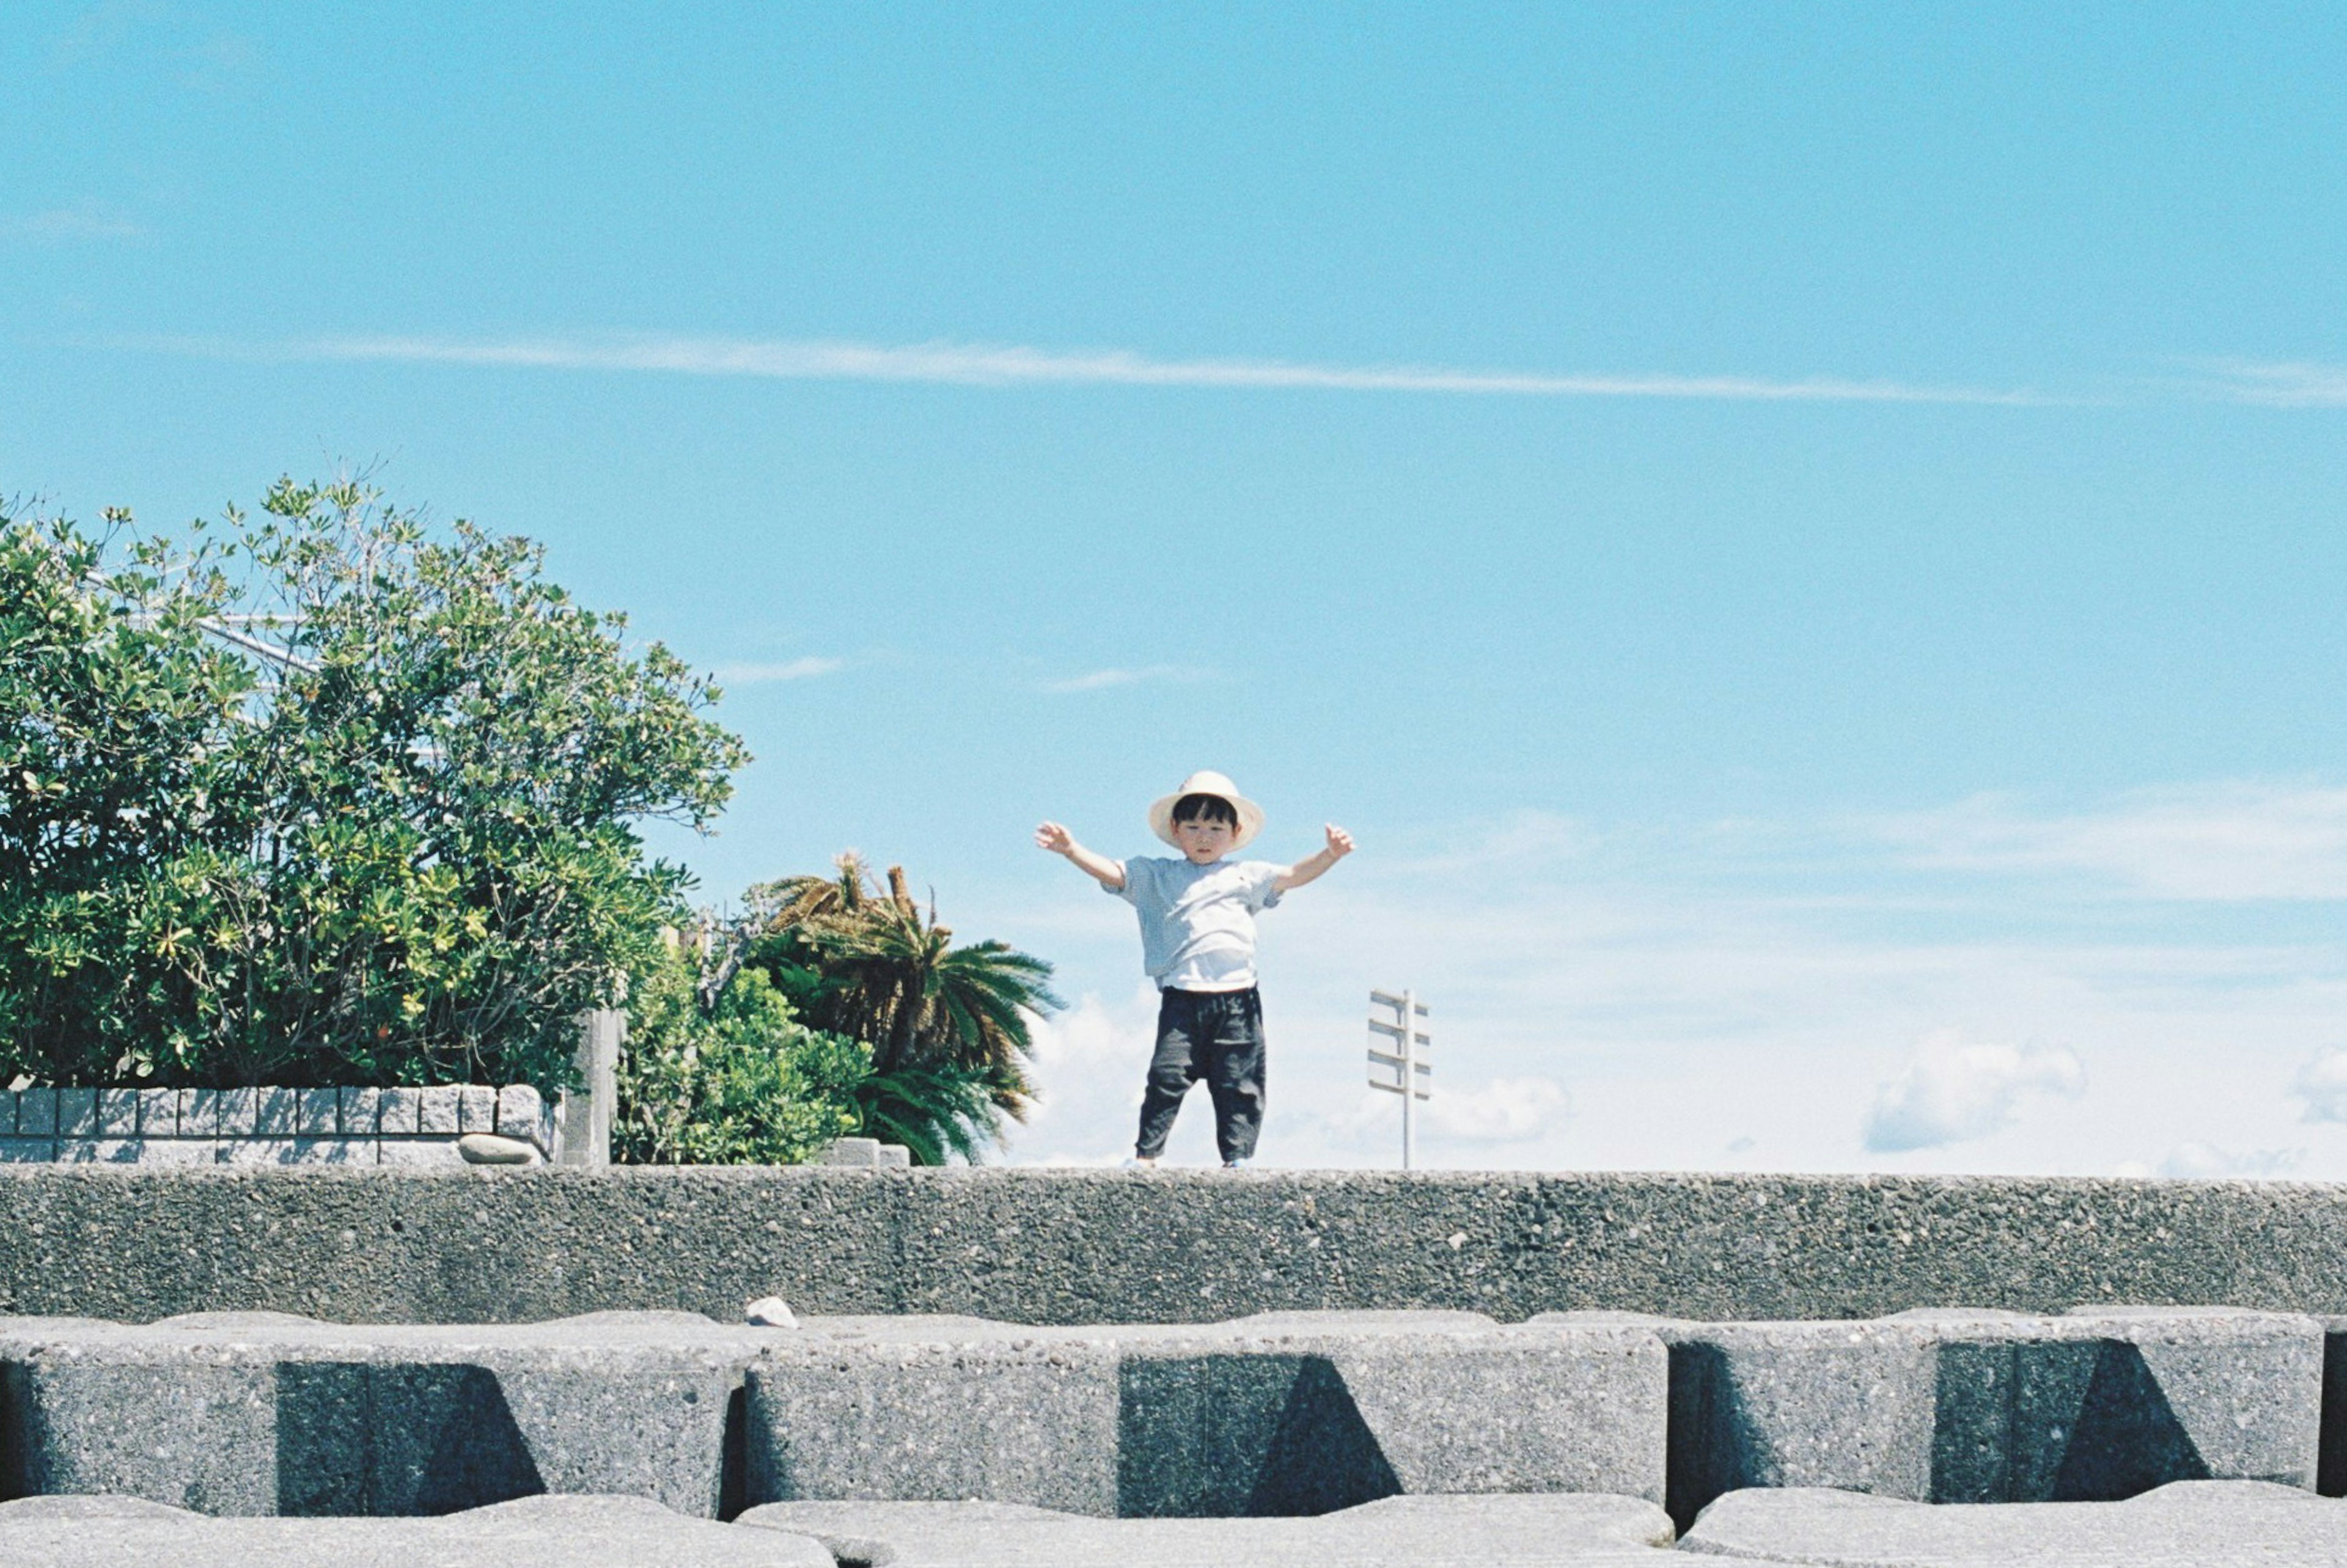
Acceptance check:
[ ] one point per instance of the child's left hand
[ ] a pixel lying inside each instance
(1341, 842)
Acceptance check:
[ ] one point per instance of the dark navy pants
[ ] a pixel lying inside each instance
(1216, 1036)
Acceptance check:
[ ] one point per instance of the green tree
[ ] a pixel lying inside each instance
(315, 796)
(949, 1024)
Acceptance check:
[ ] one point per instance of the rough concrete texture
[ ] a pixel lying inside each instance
(1955, 1407)
(1515, 1532)
(539, 1531)
(1162, 1245)
(2188, 1524)
(1295, 1414)
(262, 1414)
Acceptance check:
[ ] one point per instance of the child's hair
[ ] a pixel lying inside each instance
(1206, 808)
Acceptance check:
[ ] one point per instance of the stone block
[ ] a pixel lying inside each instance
(522, 1114)
(277, 1114)
(77, 1113)
(265, 1414)
(179, 1151)
(36, 1112)
(1556, 1530)
(27, 1150)
(1296, 1414)
(118, 1112)
(358, 1112)
(2184, 1524)
(544, 1531)
(860, 1152)
(402, 1112)
(101, 1150)
(440, 1112)
(419, 1153)
(8, 1114)
(476, 1109)
(190, 1113)
(159, 1114)
(317, 1113)
(1959, 1407)
(895, 1157)
(2330, 1469)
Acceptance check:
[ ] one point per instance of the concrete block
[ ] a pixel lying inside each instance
(159, 1113)
(440, 1111)
(854, 1151)
(27, 1150)
(188, 1119)
(419, 1153)
(278, 1112)
(402, 1112)
(895, 1157)
(317, 1113)
(36, 1112)
(8, 1114)
(542, 1532)
(101, 1150)
(118, 1112)
(203, 1112)
(358, 1112)
(2184, 1524)
(180, 1151)
(263, 1414)
(1557, 1531)
(1957, 1407)
(2330, 1467)
(476, 1109)
(77, 1113)
(522, 1114)
(1297, 1414)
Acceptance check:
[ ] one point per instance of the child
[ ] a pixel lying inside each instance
(1197, 942)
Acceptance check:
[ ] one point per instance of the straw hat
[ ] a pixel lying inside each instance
(1161, 815)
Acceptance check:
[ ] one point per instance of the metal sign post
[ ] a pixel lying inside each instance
(1412, 1076)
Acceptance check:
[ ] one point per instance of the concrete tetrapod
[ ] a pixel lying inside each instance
(1989, 1407)
(583, 1532)
(2185, 1524)
(1581, 1530)
(1287, 1413)
(263, 1413)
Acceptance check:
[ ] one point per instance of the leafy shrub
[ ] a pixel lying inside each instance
(744, 1083)
(316, 798)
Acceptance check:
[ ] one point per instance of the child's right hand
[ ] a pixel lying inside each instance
(1055, 838)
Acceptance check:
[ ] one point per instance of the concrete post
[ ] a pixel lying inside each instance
(582, 1124)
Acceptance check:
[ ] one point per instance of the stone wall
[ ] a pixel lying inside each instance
(1166, 1247)
(264, 1126)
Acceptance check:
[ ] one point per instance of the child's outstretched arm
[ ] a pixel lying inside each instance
(1312, 866)
(1099, 867)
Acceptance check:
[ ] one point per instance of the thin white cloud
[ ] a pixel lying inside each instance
(766, 674)
(1106, 680)
(1013, 365)
(1505, 1111)
(2284, 383)
(2206, 1163)
(2222, 842)
(1952, 1092)
(2322, 1085)
(83, 221)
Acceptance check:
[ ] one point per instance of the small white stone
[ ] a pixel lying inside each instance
(488, 1149)
(771, 1312)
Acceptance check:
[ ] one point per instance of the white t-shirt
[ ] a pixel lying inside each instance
(1197, 922)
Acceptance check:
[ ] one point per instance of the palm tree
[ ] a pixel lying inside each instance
(948, 1026)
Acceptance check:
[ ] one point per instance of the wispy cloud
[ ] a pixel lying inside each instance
(2322, 1085)
(1104, 680)
(2207, 1161)
(2283, 384)
(766, 674)
(2226, 842)
(1012, 364)
(83, 221)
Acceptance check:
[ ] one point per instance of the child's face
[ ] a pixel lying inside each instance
(1203, 842)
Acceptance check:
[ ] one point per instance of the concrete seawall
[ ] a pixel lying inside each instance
(1082, 1246)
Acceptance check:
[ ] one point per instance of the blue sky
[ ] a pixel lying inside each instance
(1803, 539)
